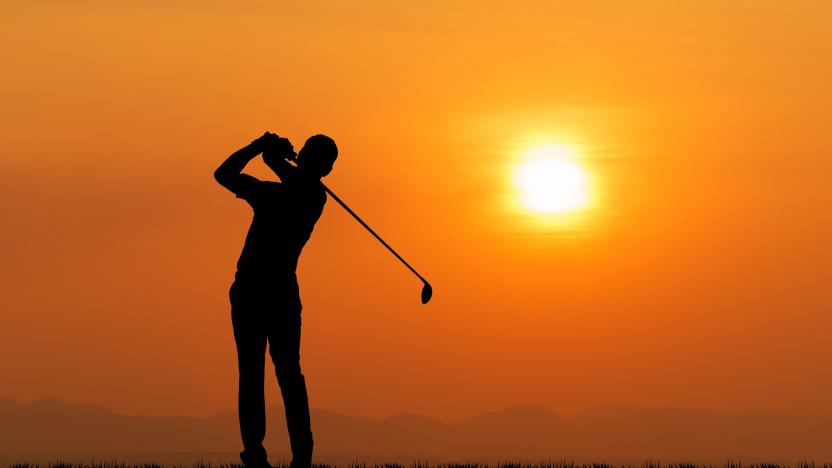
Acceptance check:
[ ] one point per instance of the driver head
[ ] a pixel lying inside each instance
(318, 155)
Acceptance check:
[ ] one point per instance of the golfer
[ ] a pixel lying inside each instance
(265, 300)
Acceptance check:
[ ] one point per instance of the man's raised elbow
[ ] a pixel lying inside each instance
(221, 177)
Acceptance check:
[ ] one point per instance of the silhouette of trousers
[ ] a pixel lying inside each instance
(260, 316)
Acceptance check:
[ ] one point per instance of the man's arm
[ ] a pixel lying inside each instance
(277, 158)
(229, 174)
(282, 168)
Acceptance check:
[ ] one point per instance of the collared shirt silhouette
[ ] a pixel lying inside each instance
(265, 298)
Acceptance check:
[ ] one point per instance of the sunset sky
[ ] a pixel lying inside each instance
(694, 270)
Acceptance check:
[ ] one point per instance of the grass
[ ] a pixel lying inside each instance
(441, 465)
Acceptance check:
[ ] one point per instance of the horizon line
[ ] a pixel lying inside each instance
(572, 415)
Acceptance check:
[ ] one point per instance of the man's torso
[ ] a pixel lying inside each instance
(284, 217)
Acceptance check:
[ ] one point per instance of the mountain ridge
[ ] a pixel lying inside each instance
(50, 429)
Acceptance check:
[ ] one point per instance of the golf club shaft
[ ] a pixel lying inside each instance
(350, 211)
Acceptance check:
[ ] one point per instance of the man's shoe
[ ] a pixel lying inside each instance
(303, 459)
(297, 463)
(254, 461)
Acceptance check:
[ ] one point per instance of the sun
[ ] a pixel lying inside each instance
(551, 181)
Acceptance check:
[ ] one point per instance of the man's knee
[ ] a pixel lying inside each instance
(288, 372)
(251, 372)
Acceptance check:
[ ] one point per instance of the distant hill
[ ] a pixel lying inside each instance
(54, 430)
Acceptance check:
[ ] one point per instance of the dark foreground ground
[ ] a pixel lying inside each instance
(441, 465)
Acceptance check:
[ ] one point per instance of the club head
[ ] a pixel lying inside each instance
(427, 293)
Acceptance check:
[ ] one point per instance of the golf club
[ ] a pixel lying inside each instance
(427, 290)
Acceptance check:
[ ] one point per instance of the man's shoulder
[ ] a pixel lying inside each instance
(310, 186)
(319, 192)
(313, 193)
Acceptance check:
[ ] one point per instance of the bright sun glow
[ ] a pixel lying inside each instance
(550, 181)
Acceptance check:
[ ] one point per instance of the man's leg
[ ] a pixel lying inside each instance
(284, 347)
(251, 359)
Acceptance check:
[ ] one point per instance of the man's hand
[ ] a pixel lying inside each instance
(275, 145)
(229, 174)
(264, 141)
(277, 154)
(283, 148)
(276, 149)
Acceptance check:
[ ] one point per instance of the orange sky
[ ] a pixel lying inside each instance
(701, 278)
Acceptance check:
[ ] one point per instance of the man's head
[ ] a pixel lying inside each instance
(318, 155)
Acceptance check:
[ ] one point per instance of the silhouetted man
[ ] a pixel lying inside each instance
(265, 301)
